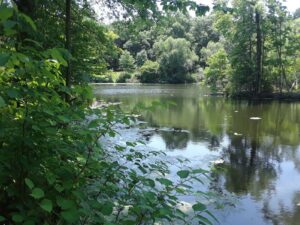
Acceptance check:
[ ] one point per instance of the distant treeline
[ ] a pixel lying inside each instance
(251, 46)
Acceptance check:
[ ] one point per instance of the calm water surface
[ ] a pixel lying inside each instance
(262, 157)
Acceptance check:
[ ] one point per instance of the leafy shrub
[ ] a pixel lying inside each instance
(126, 61)
(106, 78)
(141, 57)
(124, 76)
(176, 59)
(149, 72)
(53, 169)
(218, 71)
(43, 151)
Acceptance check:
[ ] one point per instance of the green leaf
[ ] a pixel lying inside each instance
(165, 181)
(4, 57)
(150, 183)
(199, 171)
(47, 205)
(49, 112)
(55, 53)
(37, 44)
(183, 173)
(70, 216)
(18, 218)
(199, 207)
(204, 219)
(59, 188)
(63, 118)
(12, 93)
(67, 184)
(65, 203)
(142, 169)
(28, 20)
(9, 31)
(8, 24)
(131, 144)
(107, 208)
(94, 123)
(5, 13)
(212, 216)
(2, 102)
(164, 212)
(2, 219)
(29, 183)
(150, 195)
(50, 178)
(37, 193)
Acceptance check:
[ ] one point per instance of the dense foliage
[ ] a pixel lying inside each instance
(257, 40)
(54, 165)
(176, 59)
(149, 72)
(126, 61)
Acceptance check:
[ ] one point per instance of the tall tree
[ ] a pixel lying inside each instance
(278, 30)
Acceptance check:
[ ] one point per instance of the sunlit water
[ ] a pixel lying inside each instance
(261, 156)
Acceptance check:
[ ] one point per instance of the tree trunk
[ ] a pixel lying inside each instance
(68, 40)
(258, 53)
(252, 153)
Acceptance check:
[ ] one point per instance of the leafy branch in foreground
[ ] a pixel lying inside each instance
(53, 169)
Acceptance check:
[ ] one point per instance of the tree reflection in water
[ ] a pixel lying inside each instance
(248, 168)
(260, 157)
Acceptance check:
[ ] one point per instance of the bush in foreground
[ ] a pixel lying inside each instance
(53, 169)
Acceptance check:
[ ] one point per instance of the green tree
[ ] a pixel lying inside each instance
(127, 61)
(293, 55)
(243, 52)
(202, 32)
(259, 40)
(149, 72)
(218, 70)
(278, 30)
(211, 49)
(141, 57)
(176, 59)
(36, 129)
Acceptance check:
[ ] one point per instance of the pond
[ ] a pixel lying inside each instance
(259, 143)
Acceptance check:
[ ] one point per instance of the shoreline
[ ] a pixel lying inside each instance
(292, 96)
(267, 96)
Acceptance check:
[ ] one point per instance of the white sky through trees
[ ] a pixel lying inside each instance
(292, 5)
(103, 12)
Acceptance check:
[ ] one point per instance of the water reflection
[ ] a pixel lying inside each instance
(261, 157)
(175, 140)
(249, 169)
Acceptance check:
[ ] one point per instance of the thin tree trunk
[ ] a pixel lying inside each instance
(280, 58)
(258, 52)
(252, 153)
(68, 40)
(263, 54)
